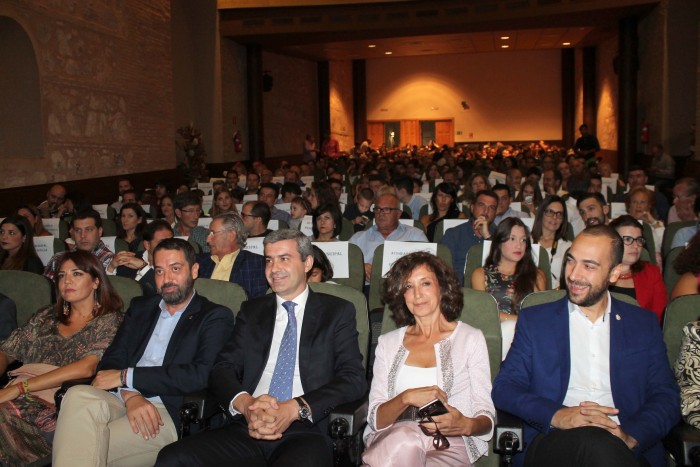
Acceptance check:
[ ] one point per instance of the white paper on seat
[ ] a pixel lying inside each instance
(255, 245)
(101, 210)
(109, 242)
(307, 180)
(146, 208)
(207, 203)
(307, 226)
(449, 223)
(278, 180)
(286, 207)
(617, 210)
(44, 248)
(247, 198)
(337, 254)
(650, 187)
(52, 226)
(239, 207)
(274, 224)
(242, 181)
(536, 253)
(204, 222)
(496, 177)
(486, 251)
(182, 237)
(516, 206)
(395, 250)
(343, 198)
(207, 188)
(529, 222)
(408, 222)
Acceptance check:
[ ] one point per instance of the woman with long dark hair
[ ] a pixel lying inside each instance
(549, 231)
(60, 342)
(132, 221)
(509, 273)
(17, 246)
(444, 204)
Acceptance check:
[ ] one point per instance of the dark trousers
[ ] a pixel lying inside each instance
(232, 445)
(581, 447)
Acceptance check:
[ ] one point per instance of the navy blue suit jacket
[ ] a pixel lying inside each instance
(534, 377)
(248, 271)
(199, 335)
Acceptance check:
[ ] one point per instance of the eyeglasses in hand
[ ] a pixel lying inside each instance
(440, 441)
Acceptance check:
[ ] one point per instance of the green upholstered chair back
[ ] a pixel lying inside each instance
(474, 256)
(109, 228)
(681, 311)
(670, 274)
(120, 245)
(347, 231)
(356, 263)
(376, 280)
(223, 293)
(670, 232)
(648, 234)
(28, 290)
(127, 289)
(358, 300)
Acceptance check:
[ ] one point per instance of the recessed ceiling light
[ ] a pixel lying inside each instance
(505, 46)
(505, 38)
(388, 53)
(371, 46)
(566, 43)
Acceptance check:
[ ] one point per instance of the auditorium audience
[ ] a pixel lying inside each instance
(32, 214)
(432, 356)
(17, 246)
(60, 342)
(638, 279)
(444, 205)
(327, 223)
(550, 232)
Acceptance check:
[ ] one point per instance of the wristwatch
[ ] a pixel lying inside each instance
(304, 410)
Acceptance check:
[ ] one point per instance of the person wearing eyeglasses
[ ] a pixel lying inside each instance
(228, 261)
(638, 279)
(188, 209)
(386, 227)
(549, 231)
(256, 215)
(479, 228)
(431, 356)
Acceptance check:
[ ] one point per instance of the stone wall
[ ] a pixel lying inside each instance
(342, 126)
(105, 80)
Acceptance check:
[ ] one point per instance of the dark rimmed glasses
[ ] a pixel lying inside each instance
(440, 442)
(627, 240)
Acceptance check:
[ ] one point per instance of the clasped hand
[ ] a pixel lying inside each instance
(267, 418)
(591, 414)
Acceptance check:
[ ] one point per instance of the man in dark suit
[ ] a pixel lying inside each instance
(163, 351)
(228, 261)
(294, 356)
(140, 268)
(589, 374)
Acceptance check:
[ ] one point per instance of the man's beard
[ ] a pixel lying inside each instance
(592, 297)
(591, 221)
(179, 295)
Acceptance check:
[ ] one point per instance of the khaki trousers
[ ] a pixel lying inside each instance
(93, 430)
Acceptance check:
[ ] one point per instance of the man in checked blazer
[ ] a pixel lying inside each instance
(228, 261)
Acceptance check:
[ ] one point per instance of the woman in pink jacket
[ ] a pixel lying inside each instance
(432, 357)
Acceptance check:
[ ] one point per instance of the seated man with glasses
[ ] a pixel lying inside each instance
(386, 227)
(256, 215)
(479, 228)
(228, 261)
(188, 209)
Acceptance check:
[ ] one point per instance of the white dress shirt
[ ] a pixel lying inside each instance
(590, 359)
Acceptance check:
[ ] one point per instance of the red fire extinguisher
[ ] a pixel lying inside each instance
(237, 143)
(645, 133)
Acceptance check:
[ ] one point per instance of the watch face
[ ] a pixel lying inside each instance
(304, 413)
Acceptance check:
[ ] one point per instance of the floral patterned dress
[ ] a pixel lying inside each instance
(500, 286)
(27, 424)
(687, 369)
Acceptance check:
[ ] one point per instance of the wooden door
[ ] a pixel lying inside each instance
(444, 133)
(410, 132)
(375, 133)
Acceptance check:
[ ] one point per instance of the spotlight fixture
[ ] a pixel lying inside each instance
(566, 43)
(505, 46)
(388, 53)
(371, 46)
(505, 38)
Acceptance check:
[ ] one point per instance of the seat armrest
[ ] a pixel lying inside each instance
(58, 397)
(198, 408)
(683, 442)
(346, 420)
(508, 435)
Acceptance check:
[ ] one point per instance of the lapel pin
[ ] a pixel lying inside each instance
(617, 317)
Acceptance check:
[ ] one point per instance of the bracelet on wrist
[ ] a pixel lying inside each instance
(122, 378)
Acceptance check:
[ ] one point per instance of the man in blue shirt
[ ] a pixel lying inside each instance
(480, 227)
(386, 227)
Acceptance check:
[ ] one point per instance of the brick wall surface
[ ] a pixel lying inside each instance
(105, 85)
